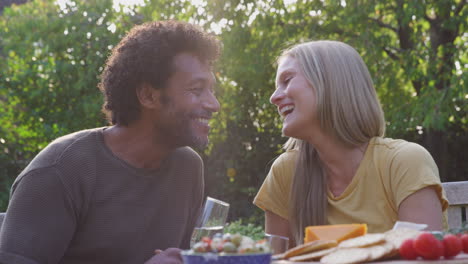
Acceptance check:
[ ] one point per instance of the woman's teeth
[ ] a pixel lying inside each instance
(286, 110)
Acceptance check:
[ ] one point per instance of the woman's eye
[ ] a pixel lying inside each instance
(287, 79)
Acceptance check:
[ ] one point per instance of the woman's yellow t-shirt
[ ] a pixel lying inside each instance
(390, 171)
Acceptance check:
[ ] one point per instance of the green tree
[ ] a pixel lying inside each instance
(51, 57)
(415, 50)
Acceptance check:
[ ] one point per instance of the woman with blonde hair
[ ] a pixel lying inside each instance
(338, 168)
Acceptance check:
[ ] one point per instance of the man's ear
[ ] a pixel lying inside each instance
(148, 96)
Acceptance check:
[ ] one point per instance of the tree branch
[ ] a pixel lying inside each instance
(391, 54)
(459, 7)
(430, 20)
(382, 24)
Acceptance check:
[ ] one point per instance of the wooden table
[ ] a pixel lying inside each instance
(460, 259)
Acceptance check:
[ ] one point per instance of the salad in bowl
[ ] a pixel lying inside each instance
(228, 249)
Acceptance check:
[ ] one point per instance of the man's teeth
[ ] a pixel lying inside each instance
(202, 120)
(285, 110)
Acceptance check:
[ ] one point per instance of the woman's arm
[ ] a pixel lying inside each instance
(277, 225)
(422, 207)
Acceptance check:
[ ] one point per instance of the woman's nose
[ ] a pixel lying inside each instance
(277, 96)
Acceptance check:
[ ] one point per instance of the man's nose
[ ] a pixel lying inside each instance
(212, 103)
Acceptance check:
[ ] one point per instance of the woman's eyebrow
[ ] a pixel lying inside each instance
(284, 73)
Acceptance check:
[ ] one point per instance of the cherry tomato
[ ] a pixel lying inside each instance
(207, 242)
(427, 246)
(407, 250)
(464, 239)
(452, 245)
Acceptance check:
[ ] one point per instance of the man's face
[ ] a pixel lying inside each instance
(188, 102)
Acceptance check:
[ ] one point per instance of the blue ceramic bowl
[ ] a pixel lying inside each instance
(213, 258)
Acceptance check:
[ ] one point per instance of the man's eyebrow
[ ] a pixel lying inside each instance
(198, 80)
(202, 81)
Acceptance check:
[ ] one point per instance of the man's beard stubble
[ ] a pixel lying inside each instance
(177, 130)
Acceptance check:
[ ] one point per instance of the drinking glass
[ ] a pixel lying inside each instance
(211, 221)
(278, 244)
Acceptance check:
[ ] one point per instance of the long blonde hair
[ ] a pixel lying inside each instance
(347, 108)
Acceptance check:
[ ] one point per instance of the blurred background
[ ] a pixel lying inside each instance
(52, 52)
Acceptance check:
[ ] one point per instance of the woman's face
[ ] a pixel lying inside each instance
(295, 99)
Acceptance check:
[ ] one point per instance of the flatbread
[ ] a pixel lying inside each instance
(309, 247)
(346, 256)
(314, 255)
(379, 251)
(398, 236)
(362, 241)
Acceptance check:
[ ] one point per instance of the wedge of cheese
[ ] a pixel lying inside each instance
(334, 232)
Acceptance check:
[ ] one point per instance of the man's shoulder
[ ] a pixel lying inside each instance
(187, 153)
(185, 163)
(74, 144)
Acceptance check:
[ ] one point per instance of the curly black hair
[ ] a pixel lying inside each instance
(145, 55)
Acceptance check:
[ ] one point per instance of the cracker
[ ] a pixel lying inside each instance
(398, 236)
(379, 251)
(346, 256)
(362, 241)
(277, 256)
(309, 247)
(314, 255)
(392, 253)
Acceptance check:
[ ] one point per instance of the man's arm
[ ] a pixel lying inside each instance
(40, 220)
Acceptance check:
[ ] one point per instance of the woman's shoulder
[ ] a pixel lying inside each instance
(289, 156)
(285, 163)
(399, 151)
(397, 146)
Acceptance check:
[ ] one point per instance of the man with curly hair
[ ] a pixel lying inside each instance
(120, 194)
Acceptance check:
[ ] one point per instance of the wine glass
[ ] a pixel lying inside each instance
(211, 221)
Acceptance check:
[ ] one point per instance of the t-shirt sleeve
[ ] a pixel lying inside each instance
(413, 169)
(273, 195)
(40, 220)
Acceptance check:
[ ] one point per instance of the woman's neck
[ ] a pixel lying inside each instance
(340, 162)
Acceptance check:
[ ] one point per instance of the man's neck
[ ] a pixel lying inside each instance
(136, 145)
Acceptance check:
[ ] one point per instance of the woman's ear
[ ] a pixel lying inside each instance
(148, 96)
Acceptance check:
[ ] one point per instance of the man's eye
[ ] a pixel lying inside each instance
(287, 79)
(197, 90)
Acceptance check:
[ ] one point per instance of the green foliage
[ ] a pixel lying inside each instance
(424, 101)
(51, 57)
(238, 227)
(463, 229)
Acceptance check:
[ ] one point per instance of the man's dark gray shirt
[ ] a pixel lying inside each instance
(77, 202)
